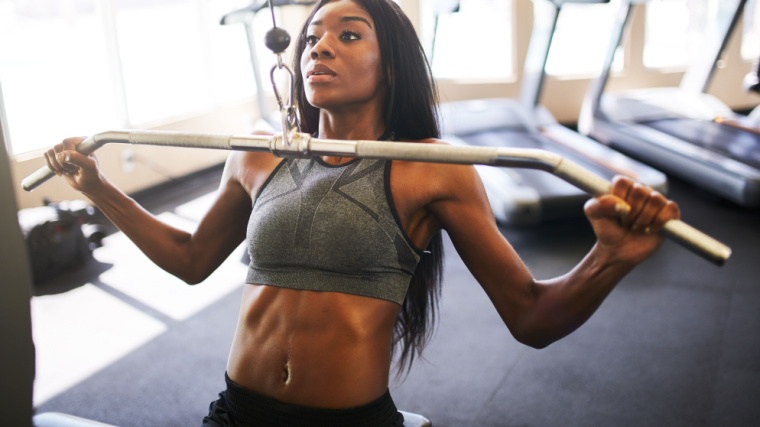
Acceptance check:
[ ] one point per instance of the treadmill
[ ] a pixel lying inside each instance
(524, 196)
(245, 16)
(680, 130)
(752, 84)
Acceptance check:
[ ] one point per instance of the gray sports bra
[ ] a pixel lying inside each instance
(323, 227)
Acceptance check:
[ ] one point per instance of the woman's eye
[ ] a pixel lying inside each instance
(350, 35)
(311, 40)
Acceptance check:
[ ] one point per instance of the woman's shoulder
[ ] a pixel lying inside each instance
(247, 162)
(447, 191)
(250, 169)
(439, 177)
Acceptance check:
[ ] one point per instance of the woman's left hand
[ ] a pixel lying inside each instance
(627, 222)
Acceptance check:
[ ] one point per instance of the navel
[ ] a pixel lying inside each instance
(286, 373)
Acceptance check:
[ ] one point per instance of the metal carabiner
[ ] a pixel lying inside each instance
(287, 110)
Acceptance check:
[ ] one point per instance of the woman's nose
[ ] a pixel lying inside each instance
(322, 49)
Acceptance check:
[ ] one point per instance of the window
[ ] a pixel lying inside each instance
(672, 26)
(581, 40)
(55, 72)
(751, 33)
(176, 58)
(74, 67)
(675, 30)
(474, 43)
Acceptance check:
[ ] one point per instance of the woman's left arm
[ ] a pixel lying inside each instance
(539, 312)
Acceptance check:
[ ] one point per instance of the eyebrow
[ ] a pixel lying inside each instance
(345, 19)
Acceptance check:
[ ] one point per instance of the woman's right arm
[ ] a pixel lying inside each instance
(538, 312)
(190, 256)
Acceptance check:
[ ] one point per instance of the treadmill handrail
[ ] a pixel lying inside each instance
(695, 80)
(714, 41)
(590, 107)
(545, 16)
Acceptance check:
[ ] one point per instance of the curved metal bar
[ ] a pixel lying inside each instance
(302, 145)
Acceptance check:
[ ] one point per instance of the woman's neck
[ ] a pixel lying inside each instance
(350, 127)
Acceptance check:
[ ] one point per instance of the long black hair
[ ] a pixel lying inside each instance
(409, 113)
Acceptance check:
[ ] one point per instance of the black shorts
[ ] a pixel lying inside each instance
(239, 407)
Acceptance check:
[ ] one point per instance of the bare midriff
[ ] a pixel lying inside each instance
(310, 348)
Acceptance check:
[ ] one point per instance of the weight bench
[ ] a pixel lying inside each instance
(56, 419)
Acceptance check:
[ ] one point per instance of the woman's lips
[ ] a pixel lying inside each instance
(320, 73)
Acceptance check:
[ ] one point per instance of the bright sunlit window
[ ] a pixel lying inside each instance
(75, 67)
(474, 43)
(672, 29)
(581, 40)
(176, 58)
(751, 33)
(55, 71)
(675, 29)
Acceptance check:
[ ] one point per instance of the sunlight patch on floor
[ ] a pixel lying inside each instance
(80, 332)
(136, 276)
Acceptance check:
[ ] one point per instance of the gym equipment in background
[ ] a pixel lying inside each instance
(438, 8)
(17, 365)
(59, 236)
(246, 17)
(520, 197)
(752, 84)
(752, 79)
(680, 130)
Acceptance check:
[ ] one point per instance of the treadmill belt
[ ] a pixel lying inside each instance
(730, 141)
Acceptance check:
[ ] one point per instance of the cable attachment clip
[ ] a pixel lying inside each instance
(287, 109)
(277, 40)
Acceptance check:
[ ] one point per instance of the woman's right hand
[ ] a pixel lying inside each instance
(79, 170)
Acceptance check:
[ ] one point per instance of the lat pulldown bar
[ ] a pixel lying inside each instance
(298, 144)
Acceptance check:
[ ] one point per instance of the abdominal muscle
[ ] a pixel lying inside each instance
(310, 348)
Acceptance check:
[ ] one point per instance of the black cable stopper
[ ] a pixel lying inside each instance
(277, 40)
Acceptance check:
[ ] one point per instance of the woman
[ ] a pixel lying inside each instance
(335, 242)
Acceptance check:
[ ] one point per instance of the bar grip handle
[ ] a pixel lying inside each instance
(697, 241)
(677, 230)
(44, 173)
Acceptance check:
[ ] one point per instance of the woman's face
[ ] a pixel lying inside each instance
(341, 64)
